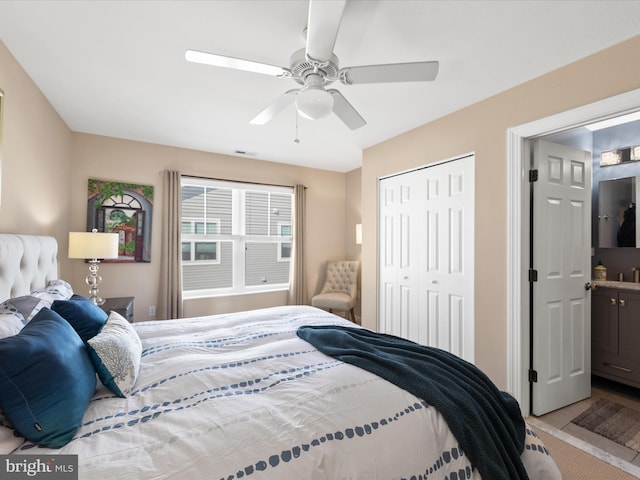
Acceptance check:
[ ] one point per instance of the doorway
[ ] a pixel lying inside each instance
(560, 424)
(518, 161)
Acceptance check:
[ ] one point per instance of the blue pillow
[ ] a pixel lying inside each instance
(84, 316)
(46, 380)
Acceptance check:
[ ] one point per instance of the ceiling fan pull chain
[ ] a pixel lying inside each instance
(296, 140)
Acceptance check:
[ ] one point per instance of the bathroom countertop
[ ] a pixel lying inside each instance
(618, 285)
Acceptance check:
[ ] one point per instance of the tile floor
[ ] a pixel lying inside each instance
(622, 394)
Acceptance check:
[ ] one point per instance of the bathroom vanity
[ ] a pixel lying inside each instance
(615, 331)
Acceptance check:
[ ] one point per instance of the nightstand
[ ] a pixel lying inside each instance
(121, 305)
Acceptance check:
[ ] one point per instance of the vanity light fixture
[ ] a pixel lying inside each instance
(610, 157)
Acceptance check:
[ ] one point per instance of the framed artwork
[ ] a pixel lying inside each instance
(125, 209)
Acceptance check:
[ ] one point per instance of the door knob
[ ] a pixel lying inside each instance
(590, 286)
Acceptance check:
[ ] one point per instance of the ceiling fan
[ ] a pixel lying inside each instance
(316, 66)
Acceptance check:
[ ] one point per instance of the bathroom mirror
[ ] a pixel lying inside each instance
(616, 213)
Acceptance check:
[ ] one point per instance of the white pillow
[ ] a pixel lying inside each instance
(62, 287)
(16, 312)
(55, 290)
(116, 352)
(10, 323)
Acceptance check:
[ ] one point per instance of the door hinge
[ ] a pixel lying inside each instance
(533, 175)
(533, 376)
(533, 275)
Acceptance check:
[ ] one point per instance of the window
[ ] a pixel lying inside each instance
(236, 237)
(284, 250)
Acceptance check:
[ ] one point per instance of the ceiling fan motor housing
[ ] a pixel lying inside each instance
(301, 67)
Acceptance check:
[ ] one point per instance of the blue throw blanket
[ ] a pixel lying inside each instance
(487, 422)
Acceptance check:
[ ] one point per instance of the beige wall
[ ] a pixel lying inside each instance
(45, 168)
(36, 158)
(136, 162)
(482, 128)
(353, 209)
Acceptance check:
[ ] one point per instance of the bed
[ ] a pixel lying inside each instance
(229, 396)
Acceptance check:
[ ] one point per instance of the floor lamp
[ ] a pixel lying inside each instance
(93, 246)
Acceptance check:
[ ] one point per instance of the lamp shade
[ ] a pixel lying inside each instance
(314, 102)
(89, 245)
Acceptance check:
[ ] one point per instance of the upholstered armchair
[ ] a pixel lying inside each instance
(340, 288)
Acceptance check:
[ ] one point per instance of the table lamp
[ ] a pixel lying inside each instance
(93, 246)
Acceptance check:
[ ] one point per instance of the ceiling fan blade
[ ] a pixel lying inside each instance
(278, 105)
(322, 28)
(392, 72)
(235, 63)
(345, 111)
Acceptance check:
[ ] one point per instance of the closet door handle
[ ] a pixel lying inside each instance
(614, 301)
(623, 302)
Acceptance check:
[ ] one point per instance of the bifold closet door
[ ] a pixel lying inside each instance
(426, 264)
(400, 255)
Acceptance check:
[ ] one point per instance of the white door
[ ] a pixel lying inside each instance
(561, 320)
(399, 264)
(426, 221)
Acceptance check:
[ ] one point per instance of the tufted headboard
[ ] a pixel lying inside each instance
(27, 263)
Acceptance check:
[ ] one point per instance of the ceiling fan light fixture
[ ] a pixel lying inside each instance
(314, 103)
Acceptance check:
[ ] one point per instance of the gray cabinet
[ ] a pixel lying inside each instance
(615, 335)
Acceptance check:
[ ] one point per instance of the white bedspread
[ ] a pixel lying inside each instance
(241, 396)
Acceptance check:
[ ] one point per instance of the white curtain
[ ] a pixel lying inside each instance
(170, 295)
(297, 280)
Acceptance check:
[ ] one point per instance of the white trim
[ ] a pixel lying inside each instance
(231, 184)
(422, 167)
(517, 222)
(228, 292)
(515, 215)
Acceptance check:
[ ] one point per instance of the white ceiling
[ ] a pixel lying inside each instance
(117, 68)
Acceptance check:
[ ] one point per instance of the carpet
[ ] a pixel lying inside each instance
(613, 421)
(577, 464)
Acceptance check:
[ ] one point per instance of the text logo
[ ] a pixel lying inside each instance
(50, 467)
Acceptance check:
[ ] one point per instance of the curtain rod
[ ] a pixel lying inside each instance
(240, 181)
